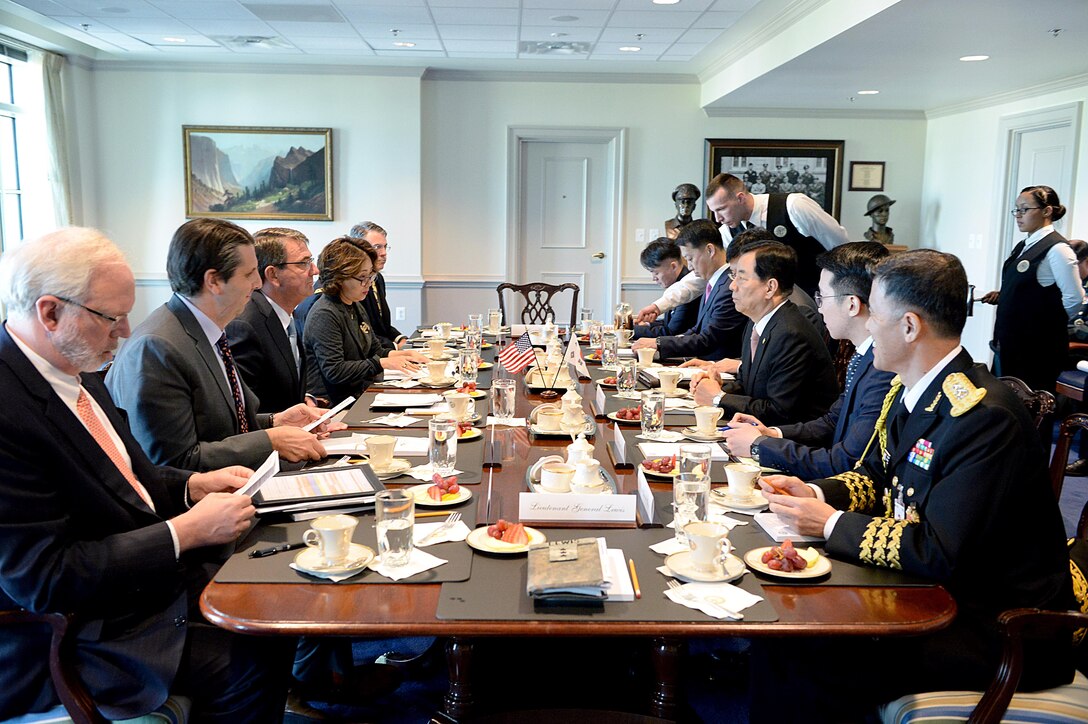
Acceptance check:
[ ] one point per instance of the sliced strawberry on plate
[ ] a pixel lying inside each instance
(435, 492)
(515, 534)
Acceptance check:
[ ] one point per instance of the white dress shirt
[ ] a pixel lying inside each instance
(1059, 266)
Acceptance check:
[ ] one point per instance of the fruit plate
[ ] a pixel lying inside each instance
(753, 558)
(623, 420)
(472, 433)
(419, 492)
(481, 541)
(654, 474)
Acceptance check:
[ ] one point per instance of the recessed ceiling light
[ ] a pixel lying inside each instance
(665, 2)
(404, 44)
(173, 40)
(630, 48)
(564, 18)
(974, 58)
(868, 92)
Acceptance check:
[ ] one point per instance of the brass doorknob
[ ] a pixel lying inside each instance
(599, 255)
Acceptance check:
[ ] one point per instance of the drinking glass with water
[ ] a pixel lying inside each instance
(653, 412)
(627, 376)
(689, 500)
(394, 512)
(502, 398)
(443, 445)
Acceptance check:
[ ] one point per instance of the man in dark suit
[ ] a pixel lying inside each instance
(88, 526)
(266, 348)
(666, 265)
(176, 376)
(375, 303)
(717, 330)
(953, 488)
(835, 441)
(785, 372)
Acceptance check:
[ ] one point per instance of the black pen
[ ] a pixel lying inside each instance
(262, 552)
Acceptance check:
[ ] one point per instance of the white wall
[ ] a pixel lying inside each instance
(465, 168)
(961, 195)
(127, 138)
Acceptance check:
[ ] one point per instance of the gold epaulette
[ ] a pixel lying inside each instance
(881, 542)
(860, 488)
(961, 393)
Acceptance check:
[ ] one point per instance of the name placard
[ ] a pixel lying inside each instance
(576, 508)
(646, 496)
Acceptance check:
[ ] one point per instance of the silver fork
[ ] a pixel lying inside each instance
(453, 520)
(692, 598)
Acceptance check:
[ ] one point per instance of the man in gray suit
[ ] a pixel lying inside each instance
(89, 527)
(176, 376)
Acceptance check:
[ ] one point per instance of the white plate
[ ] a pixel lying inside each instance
(485, 365)
(419, 492)
(441, 382)
(623, 421)
(679, 564)
(481, 541)
(309, 560)
(655, 474)
(470, 434)
(756, 502)
(820, 568)
(397, 466)
(693, 434)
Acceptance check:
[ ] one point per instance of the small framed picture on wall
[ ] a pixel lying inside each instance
(866, 175)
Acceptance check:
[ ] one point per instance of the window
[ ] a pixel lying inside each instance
(11, 190)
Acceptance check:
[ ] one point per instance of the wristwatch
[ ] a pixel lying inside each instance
(753, 451)
(717, 398)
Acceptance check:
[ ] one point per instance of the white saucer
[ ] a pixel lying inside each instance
(693, 434)
(756, 501)
(396, 467)
(677, 393)
(679, 564)
(440, 382)
(309, 560)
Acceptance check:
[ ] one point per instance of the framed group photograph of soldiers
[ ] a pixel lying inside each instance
(813, 168)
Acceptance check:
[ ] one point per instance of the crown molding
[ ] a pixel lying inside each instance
(156, 66)
(875, 114)
(515, 76)
(1054, 86)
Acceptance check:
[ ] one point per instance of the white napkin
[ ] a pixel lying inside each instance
(407, 446)
(394, 400)
(722, 518)
(330, 577)
(663, 436)
(665, 449)
(435, 409)
(426, 472)
(403, 384)
(456, 532)
(418, 562)
(391, 375)
(680, 404)
(505, 421)
(342, 445)
(628, 395)
(669, 546)
(394, 420)
(709, 594)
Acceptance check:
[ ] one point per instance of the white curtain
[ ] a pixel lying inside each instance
(56, 137)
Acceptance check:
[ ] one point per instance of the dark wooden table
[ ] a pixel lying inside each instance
(409, 609)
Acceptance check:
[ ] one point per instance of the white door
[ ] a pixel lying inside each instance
(1040, 156)
(566, 222)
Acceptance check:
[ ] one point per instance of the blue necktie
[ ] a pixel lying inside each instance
(852, 370)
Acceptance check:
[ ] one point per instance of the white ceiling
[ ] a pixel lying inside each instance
(797, 55)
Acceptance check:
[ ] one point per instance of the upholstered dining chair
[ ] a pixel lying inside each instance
(537, 297)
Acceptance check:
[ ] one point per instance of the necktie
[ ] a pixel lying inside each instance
(753, 343)
(235, 387)
(292, 339)
(706, 295)
(102, 437)
(852, 369)
(895, 430)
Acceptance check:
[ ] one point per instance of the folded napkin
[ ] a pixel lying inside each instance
(394, 420)
(426, 472)
(663, 436)
(665, 449)
(710, 598)
(505, 421)
(715, 517)
(669, 546)
(680, 404)
(390, 375)
(330, 577)
(394, 400)
(628, 395)
(418, 562)
(456, 532)
(402, 384)
(342, 445)
(435, 409)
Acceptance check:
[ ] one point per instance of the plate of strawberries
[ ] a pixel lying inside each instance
(504, 537)
(440, 492)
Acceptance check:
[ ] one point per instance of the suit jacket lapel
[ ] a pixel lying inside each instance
(277, 334)
(200, 342)
(765, 338)
(708, 302)
(864, 366)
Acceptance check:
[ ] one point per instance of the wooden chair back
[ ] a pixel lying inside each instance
(539, 307)
(1066, 431)
(1040, 403)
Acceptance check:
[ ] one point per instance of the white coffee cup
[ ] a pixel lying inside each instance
(645, 356)
(710, 545)
(549, 419)
(669, 380)
(331, 535)
(442, 330)
(537, 467)
(436, 370)
(380, 450)
(436, 346)
(624, 336)
(461, 404)
(587, 478)
(706, 419)
(556, 477)
(742, 480)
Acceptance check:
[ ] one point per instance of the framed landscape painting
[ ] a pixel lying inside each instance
(248, 172)
(813, 168)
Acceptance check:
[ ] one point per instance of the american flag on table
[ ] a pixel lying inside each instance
(517, 356)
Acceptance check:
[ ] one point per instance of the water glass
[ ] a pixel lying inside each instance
(502, 398)
(494, 320)
(394, 513)
(690, 494)
(585, 318)
(476, 321)
(468, 365)
(653, 412)
(627, 376)
(695, 459)
(443, 445)
(473, 339)
(610, 350)
(594, 334)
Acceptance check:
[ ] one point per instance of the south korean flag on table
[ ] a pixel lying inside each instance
(574, 357)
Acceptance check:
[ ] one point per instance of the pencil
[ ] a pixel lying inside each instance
(634, 577)
(432, 514)
(777, 490)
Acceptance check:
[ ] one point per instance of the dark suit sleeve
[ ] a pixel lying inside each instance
(785, 387)
(247, 351)
(723, 323)
(819, 432)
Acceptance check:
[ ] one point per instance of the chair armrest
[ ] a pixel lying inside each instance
(991, 708)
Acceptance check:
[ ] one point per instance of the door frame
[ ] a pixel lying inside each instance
(518, 138)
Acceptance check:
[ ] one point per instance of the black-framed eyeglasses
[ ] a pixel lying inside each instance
(367, 279)
(1020, 211)
(95, 312)
(819, 298)
(307, 262)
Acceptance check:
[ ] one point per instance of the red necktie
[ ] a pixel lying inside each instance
(235, 387)
(102, 437)
(753, 343)
(706, 296)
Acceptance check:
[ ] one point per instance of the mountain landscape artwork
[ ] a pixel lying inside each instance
(258, 173)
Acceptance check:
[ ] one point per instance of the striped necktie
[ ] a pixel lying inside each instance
(102, 437)
(235, 386)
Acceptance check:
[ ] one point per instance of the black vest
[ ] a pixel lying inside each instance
(807, 247)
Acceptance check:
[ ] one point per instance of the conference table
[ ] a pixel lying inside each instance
(884, 606)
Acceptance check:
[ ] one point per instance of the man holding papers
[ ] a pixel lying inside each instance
(953, 488)
(88, 526)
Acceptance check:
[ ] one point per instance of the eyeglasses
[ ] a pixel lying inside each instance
(380, 247)
(734, 276)
(95, 312)
(1020, 211)
(819, 298)
(307, 262)
(367, 279)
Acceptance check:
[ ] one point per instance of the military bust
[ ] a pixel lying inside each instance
(879, 209)
(684, 197)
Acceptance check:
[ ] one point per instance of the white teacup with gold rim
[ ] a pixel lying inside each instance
(436, 371)
(706, 419)
(645, 356)
(710, 545)
(461, 404)
(742, 480)
(331, 535)
(436, 346)
(442, 330)
(380, 450)
(669, 380)
(550, 419)
(624, 336)
(556, 477)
